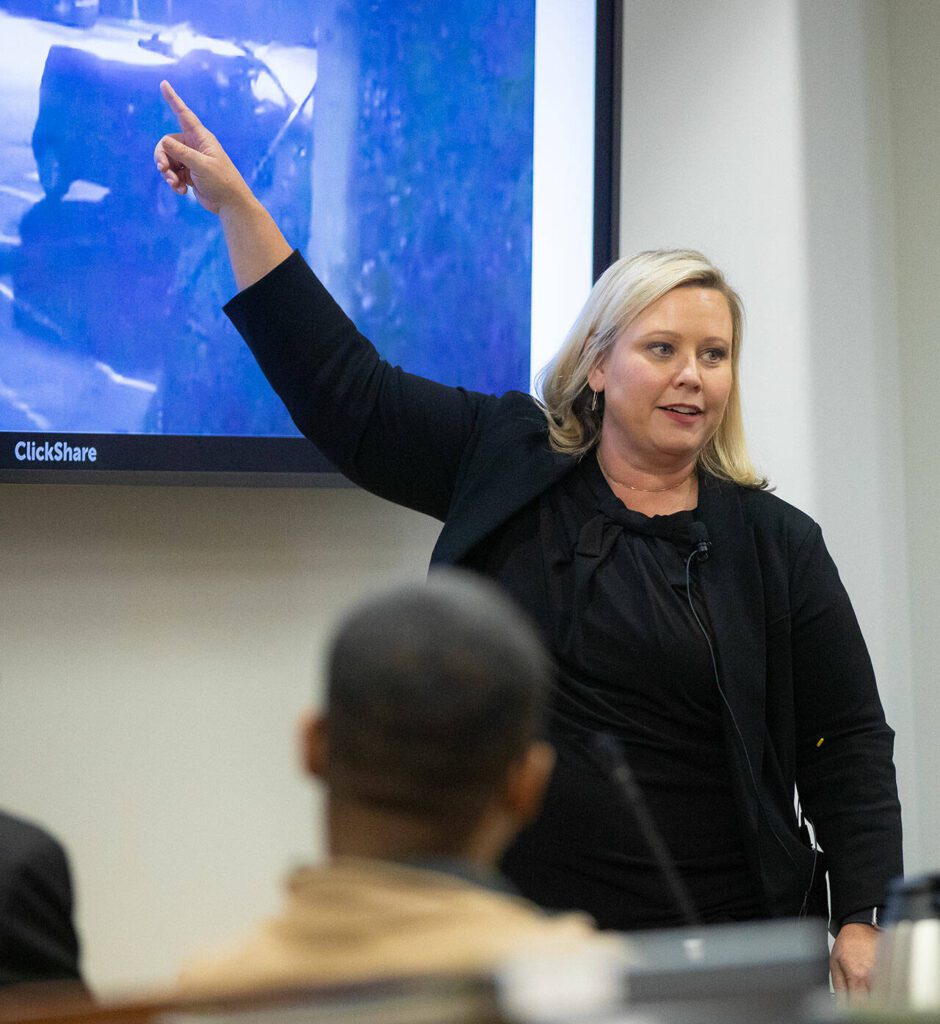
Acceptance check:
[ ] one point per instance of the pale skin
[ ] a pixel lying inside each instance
(666, 382)
(675, 356)
(853, 959)
(193, 158)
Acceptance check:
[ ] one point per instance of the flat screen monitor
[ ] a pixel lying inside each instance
(446, 169)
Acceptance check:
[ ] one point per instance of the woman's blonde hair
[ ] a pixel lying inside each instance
(623, 291)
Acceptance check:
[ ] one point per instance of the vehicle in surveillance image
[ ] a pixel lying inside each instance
(412, 202)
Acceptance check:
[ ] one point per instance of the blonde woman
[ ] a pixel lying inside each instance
(726, 683)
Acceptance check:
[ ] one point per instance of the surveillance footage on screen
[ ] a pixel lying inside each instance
(396, 151)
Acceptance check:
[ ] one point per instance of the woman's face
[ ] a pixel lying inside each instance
(667, 378)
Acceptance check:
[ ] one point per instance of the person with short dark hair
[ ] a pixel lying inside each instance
(38, 941)
(430, 752)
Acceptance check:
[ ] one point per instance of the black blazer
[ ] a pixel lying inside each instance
(37, 937)
(803, 708)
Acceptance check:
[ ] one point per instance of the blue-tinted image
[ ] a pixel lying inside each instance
(392, 141)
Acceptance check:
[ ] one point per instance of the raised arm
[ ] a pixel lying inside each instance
(397, 435)
(193, 158)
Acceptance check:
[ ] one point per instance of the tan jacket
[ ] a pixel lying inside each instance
(355, 919)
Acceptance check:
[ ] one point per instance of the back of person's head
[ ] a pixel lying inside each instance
(434, 691)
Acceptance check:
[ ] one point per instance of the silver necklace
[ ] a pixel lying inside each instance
(644, 490)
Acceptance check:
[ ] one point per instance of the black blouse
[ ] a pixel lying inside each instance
(607, 587)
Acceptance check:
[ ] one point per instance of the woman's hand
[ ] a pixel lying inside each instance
(193, 158)
(852, 960)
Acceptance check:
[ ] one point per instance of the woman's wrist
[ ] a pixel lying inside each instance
(255, 243)
(869, 915)
(241, 205)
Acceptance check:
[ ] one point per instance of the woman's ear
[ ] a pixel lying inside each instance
(595, 377)
(313, 743)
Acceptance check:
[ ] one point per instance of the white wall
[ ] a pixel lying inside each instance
(712, 160)
(156, 647)
(857, 349)
(761, 132)
(156, 644)
(914, 55)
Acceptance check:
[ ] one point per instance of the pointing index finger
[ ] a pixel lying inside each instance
(184, 115)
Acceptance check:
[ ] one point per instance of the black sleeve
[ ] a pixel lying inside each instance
(38, 941)
(401, 436)
(845, 771)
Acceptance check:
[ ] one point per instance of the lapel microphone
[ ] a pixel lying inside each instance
(698, 533)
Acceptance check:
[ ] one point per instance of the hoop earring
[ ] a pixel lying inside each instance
(594, 400)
